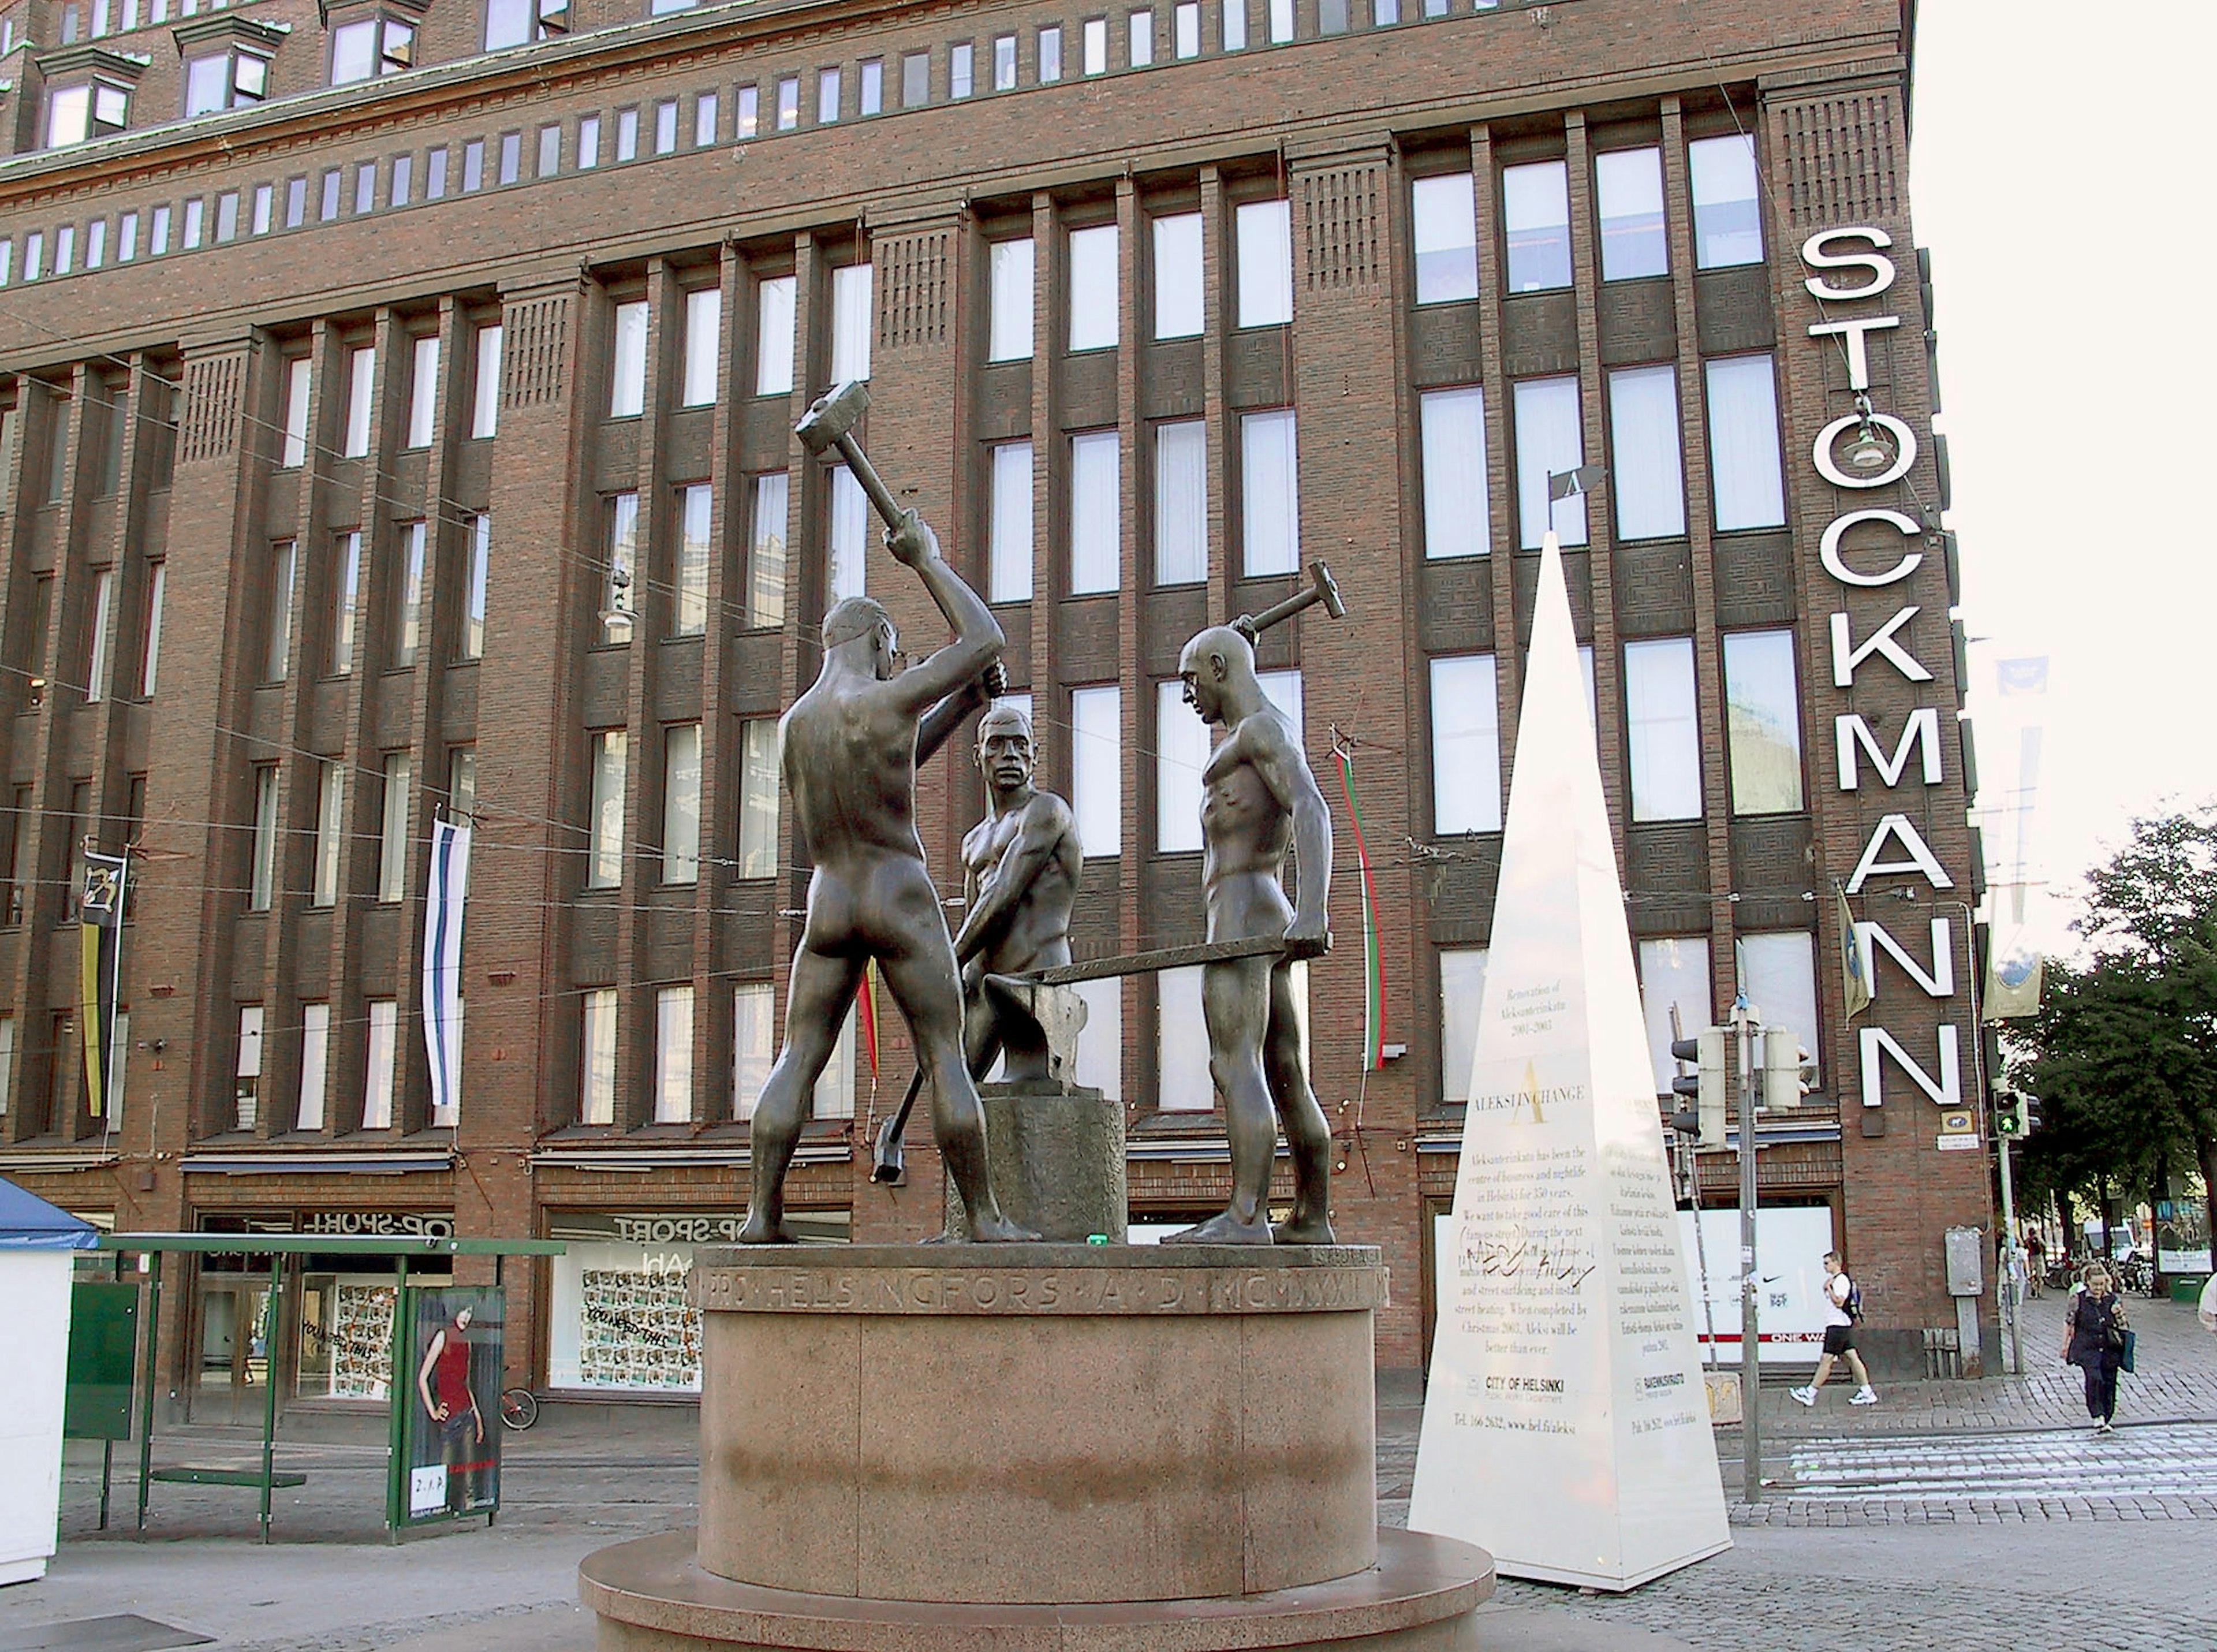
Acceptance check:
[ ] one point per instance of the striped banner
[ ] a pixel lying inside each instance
(446, 895)
(1374, 980)
(100, 937)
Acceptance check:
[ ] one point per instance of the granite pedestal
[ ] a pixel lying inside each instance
(1058, 1160)
(1011, 1447)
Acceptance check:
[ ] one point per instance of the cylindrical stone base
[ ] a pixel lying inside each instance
(1057, 1163)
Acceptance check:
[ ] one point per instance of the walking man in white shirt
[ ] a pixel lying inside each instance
(1843, 1310)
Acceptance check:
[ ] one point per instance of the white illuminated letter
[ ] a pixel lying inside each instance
(1904, 451)
(1858, 354)
(1921, 857)
(1881, 268)
(1846, 656)
(1941, 983)
(1948, 1093)
(1829, 550)
(1921, 733)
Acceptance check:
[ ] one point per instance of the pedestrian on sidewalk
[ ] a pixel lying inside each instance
(2094, 1341)
(2036, 1261)
(1844, 1311)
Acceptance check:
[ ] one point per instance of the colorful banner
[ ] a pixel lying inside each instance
(448, 1343)
(1373, 978)
(446, 895)
(99, 912)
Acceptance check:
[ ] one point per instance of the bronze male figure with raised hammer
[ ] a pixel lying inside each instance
(848, 750)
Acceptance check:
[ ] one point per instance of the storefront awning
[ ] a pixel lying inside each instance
(316, 1164)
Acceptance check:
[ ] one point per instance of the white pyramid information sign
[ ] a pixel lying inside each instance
(1566, 1428)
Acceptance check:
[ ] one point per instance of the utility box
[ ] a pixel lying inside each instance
(1965, 1251)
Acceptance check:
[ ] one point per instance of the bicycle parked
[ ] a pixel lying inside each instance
(519, 1407)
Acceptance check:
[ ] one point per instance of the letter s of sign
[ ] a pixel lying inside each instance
(1814, 254)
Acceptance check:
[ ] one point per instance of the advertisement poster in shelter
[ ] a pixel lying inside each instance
(449, 1347)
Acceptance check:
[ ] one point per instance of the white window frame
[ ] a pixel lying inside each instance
(1462, 992)
(394, 803)
(1457, 502)
(1263, 231)
(1747, 480)
(1010, 549)
(1762, 723)
(851, 287)
(627, 360)
(1010, 332)
(380, 1065)
(680, 803)
(1180, 309)
(1635, 241)
(776, 298)
(673, 1055)
(758, 797)
(597, 1062)
(1096, 791)
(423, 390)
(1094, 319)
(604, 842)
(1096, 512)
(1662, 729)
(1550, 440)
(1647, 466)
(1465, 706)
(1181, 502)
(1270, 491)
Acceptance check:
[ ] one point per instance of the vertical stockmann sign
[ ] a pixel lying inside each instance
(1889, 764)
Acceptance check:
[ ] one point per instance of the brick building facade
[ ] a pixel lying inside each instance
(408, 433)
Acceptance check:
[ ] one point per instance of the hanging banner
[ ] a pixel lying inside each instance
(446, 894)
(100, 931)
(446, 1349)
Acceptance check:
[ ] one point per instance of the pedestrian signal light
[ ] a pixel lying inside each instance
(2009, 1113)
(1787, 1067)
(1704, 1087)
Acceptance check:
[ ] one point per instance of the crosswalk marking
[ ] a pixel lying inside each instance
(2175, 1460)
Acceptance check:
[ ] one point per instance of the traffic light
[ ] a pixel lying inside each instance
(2009, 1113)
(1706, 1085)
(2028, 1113)
(1787, 1067)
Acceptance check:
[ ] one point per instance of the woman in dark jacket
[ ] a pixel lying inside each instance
(2095, 1340)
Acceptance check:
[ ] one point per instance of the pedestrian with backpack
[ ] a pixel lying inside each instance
(1844, 1311)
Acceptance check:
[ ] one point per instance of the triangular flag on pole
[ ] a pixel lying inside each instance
(1566, 1422)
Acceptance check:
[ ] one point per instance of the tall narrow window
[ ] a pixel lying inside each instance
(1663, 733)
(1009, 330)
(1550, 440)
(246, 1090)
(1186, 30)
(1781, 974)
(788, 102)
(362, 377)
(850, 322)
(99, 650)
(1673, 973)
(1093, 318)
(348, 598)
(604, 847)
(1181, 753)
(1096, 45)
(261, 881)
(773, 324)
(1629, 190)
(1762, 722)
(1462, 990)
(1458, 512)
(1282, 21)
(1097, 788)
(1727, 210)
(1750, 489)
(404, 173)
(485, 404)
(380, 1067)
(847, 554)
(408, 620)
(1536, 210)
(550, 152)
(596, 1087)
(1647, 473)
(423, 390)
(1008, 532)
(628, 365)
(1182, 1080)
(766, 551)
(1096, 512)
(296, 414)
(1270, 505)
(1181, 502)
(689, 615)
(619, 601)
(1235, 25)
(870, 87)
(680, 803)
(1445, 214)
(1050, 54)
(479, 526)
(758, 797)
(1140, 49)
(393, 830)
(915, 79)
(315, 1067)
(673, 1055)
(462, 779)
(746, 114)
(1177, 276)
(754, 1043)
(962, 60)
(1264, 231)
(704, 327)
(157, 583)
(665, 127)
(1466, 744)
(330, 831)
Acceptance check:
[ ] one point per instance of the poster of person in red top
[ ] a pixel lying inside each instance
(453, 1431)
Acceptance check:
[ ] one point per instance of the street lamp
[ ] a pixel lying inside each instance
(1869, 451)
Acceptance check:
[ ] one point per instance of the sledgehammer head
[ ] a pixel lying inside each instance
(1327, 590)
(836, 414)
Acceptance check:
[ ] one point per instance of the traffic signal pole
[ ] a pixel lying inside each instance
(2009, 1297)
(1745, 1027)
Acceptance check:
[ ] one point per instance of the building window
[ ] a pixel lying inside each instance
(704, 327)
(589, 143)
(362, 381)
(1093, 319)
(665, 127)
(1673, 973)
(835, 1087)
(1186, 30)
(758, 780)
(1727, 212)
(1096, 789)
(627, 364)
(619, 600)
(916, 80)
(1444, 214)
(1628, 191)
(1181, 502)
(262, 880)
(596, 1101)
(1095, 512)
(846, 550)
(1178, 313)
(513, 22)
(689, 616)
(365, 185)
(196, 222)
(265, 197)
(462, 780)
(680, 803)
(98, 653)
(850, 322)
(149, 659)
(549, 164)
(423, 390)
(295, 450)
(381, 1063)
(1466, 744)
(766, 551)
(434, 174)
(348, 598)
(330, 831)
(1750, 489)
(1264, 231)
(1550, 439)
(485, 402)
(408, 620)
(246, 1092)
(1644, 435)
(1762, 722)
(1270, 506)
(19, 854)
(403, 172)
(1009, 546)
(754, 1043)
(284, 570)
(1009, 333)
(1781, 974)
(1182, 1080)
(1096, 45)
(1458, 513)
(1141, 39)
(1005, 63)
(1663, 733)
(225, 80)
(605, 840)
(371, 46)
(1050, 60)
(315, 1067)
(479, 526)
(960, 58)
(1181, 748)
(392, 831)
(628, 134)
(746, 117)
(1235, 25)
(673, 1055)
(1462, 991)
(774, 300)
(870, 87)
(1535, 211)
(90, 109)
(1282, 21)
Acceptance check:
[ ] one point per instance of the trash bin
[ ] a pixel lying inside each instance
(36, 1245)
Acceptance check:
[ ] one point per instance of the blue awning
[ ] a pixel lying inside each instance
(27, 1223)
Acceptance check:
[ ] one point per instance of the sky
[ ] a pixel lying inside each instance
(2058, 175)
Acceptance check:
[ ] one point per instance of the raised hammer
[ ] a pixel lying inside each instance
(831, 424)
(1322, 588)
